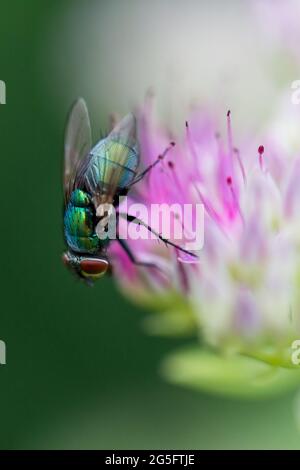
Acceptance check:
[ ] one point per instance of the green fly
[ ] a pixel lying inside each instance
(95, 177)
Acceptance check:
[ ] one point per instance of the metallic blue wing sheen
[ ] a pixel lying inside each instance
(112, 167)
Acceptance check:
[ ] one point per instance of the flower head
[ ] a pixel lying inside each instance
(242, 295)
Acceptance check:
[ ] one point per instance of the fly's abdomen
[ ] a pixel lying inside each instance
(79, 224)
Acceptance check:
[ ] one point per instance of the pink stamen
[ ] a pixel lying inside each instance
(190, 142)
(229, 165)
(193, 152)
(261, 150)
(229, 133)
(234, 197)
(242, 168)
(209, 208)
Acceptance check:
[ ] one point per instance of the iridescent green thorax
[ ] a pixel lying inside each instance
(79, 224)
(80, 198)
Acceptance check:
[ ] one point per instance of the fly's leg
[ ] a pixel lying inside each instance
(150, 167)
(132, 258)
(135, 220)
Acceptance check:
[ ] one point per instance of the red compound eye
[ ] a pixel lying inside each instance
(94, 267)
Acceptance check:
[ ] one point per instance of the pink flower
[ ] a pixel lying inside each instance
(243, 294)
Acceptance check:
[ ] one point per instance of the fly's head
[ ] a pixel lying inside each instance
(87, 268)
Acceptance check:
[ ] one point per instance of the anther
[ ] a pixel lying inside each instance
(261, 150)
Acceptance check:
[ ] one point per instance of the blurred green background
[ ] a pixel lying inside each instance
(80, 371)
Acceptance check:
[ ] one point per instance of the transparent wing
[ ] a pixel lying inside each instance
(78, 141)
(125, 131)
(114, 160)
